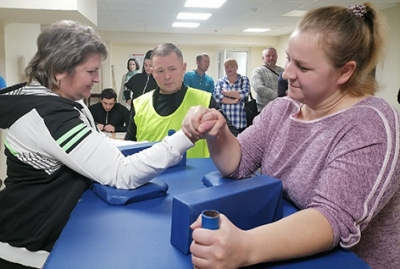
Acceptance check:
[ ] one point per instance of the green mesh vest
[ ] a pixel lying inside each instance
(153, 127)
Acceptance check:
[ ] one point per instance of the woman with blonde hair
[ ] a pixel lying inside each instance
(231, 91)
(334, 145)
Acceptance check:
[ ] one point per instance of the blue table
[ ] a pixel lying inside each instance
(137, 235)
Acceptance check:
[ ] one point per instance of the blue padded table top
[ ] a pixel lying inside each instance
(137, 235)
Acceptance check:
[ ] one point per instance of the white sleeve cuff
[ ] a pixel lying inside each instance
(179, 142)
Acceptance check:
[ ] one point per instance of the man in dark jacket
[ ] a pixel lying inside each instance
(109, 115)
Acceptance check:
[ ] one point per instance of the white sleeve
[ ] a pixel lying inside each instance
(90, 153)
(97, 158)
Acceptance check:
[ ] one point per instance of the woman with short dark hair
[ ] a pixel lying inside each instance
(53, 148)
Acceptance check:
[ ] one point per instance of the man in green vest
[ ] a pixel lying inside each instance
(164, 108)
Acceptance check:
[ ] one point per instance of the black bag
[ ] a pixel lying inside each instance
(250, 106)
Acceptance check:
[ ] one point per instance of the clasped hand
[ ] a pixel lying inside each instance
(201, 122)
(106, 128)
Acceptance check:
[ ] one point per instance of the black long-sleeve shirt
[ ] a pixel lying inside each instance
(118, 116)
(166, 104)
(139, 84)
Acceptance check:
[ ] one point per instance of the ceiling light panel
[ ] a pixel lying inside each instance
(193, 16)
(256, 30)
(295, 13)
(186, 24)
(205, 3)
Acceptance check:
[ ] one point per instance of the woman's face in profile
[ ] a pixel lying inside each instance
(311, 77)
(78, 84)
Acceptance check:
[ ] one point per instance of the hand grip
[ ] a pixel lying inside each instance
(210, 219)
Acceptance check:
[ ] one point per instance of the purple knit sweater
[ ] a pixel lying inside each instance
(345, 165)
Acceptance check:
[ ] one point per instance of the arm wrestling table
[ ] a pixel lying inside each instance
(137, 235)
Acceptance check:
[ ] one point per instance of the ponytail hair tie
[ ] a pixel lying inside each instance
(358, 10)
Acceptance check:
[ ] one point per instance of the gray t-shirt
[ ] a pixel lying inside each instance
(345, 165)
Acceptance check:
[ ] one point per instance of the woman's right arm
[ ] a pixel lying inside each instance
(225, 151)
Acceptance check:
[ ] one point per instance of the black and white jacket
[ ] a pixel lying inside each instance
(54, 151)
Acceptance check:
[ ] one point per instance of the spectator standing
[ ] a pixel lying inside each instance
(231, 92)
(265, 78)
(142, 82)
(198, 78)
(133, 66)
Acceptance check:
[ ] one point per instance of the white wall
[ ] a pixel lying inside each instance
(281, 49)
(2, 52)
(20, 46)
(388, 72)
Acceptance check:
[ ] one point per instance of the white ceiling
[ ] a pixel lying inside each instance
(157, 16)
